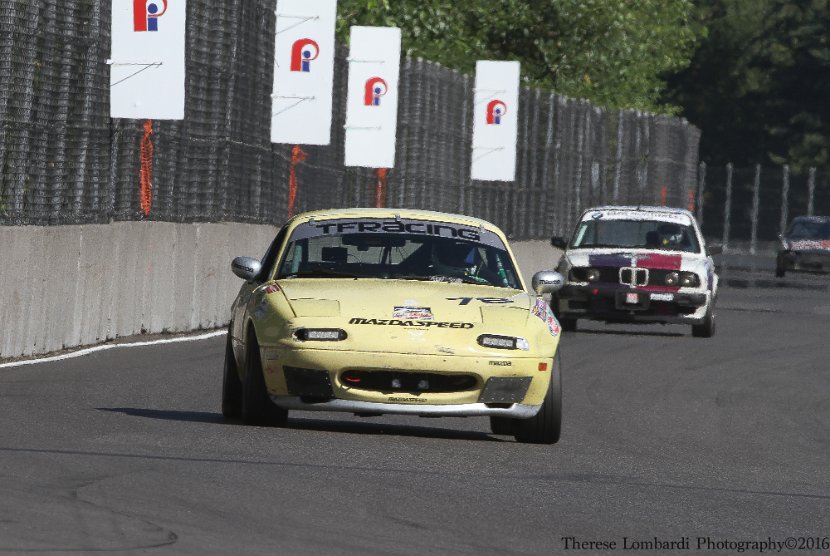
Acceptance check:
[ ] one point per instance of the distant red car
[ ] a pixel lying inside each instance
(805, 246)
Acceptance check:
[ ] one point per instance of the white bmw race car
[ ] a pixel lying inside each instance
(637, 264)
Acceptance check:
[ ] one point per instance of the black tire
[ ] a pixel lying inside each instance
(546, 426)
(502, 425)
(231, 385)
(257, 407)
(706, 329)
(568, 325)
(780, 272)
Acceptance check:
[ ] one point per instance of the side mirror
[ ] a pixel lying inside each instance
(559, 242)
(715, 249)
(246, 268)
(547, 281)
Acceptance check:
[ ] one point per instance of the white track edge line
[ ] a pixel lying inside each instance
(105, 347)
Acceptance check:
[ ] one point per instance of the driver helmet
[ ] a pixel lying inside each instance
(454, 257)
(670, 234)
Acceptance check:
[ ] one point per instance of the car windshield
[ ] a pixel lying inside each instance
(635, 234)
(398, 249)
(809, 230)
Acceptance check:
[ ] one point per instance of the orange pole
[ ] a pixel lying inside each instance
(380, 187)
(146, 169)
(297, 156)
(664, 195)
(691, 204)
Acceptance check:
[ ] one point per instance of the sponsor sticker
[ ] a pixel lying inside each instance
(413, 313)
(412, 323)
(662, 297)
(542, 310)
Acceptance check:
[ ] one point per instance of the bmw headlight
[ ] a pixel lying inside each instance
(584, 275)
(672, 278)
(689, 280)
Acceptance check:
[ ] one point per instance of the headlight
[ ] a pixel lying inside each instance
(689, 280)
(320, 335)
(672, 279)
(503, 342)
(584, 275)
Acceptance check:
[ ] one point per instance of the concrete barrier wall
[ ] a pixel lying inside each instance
(68, 286)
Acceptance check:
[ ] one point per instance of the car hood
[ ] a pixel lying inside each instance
(810, 245)
(406, 300)
(645, 258)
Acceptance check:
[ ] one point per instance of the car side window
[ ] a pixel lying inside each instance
(270, 258)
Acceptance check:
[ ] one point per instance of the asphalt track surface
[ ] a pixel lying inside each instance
(665, 435)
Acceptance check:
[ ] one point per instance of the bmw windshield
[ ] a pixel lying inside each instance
(398, 249)
(635, 234)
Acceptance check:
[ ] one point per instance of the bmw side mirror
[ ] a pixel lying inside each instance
(547, 281)
(559, 242)
(246, 268)
(716, 249)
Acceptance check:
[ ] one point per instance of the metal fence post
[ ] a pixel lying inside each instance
(756, 201)
(811, 187)
(785, 194)
(701, 188)
(727, 209)
(618, 160)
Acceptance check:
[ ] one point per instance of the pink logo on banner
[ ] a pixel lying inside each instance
(302, 54)
(146, 14)
(495, 111)
(375, 89)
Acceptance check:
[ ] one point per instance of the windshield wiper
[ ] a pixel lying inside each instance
(324, 273)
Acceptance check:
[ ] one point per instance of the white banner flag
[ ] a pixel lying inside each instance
(372, 105)
(495, 125)
(303, 72)
(147, 59)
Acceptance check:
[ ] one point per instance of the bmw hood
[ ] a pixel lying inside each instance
(642, 258)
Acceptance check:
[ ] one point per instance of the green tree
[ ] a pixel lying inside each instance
(612, 52)
(758, 85)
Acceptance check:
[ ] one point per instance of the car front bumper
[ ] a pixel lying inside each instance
(516, 411)
(316, 380)
(608, 303)
(804, 261)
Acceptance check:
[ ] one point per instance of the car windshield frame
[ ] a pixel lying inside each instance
(643, 229)
(398, 249)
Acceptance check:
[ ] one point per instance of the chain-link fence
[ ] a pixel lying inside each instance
(64, 161)
(750, 206)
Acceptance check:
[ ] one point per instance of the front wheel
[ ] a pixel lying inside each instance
(257, 407)
(706, 329)
(546, 426)
(231, 385)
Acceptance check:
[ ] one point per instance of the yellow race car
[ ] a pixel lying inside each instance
(383, 311)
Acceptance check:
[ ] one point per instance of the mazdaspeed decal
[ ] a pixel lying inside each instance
(542, 310)
(413, 313)
(412, 323)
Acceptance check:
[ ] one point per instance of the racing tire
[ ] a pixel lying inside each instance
(257, 407)
(502, 425)
(546, 426)
(780, 272)
(706, 329)
(231, 385)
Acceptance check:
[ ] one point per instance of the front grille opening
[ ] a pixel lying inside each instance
(410, 382)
